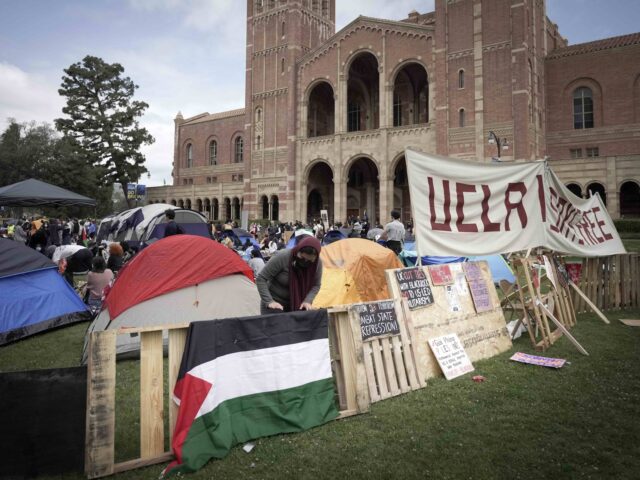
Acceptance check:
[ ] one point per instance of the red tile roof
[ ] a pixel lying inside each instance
(590, 47)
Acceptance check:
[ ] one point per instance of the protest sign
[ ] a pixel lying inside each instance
(451, 357)
(505, 208)
(414, 286)
(377, 319)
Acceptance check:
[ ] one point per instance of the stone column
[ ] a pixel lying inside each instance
(340, 200)
(386, 198)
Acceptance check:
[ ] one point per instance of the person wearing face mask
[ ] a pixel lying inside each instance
(291, 278)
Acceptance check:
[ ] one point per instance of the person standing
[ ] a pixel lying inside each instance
(291, 279)
(172, 228)
(394, 233)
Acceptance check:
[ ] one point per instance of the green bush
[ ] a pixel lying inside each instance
(627, 225)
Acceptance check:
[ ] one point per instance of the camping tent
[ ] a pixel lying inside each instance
(146, 224)
(32, 192)
(332, 236)
(353, 271)
(33, 296)
(297, 236)
(179, 279)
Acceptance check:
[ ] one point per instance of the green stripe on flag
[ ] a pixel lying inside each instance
(252, 416)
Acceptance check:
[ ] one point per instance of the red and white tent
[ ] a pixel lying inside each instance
(179, 279)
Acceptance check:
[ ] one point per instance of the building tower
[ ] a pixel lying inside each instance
(279, 32)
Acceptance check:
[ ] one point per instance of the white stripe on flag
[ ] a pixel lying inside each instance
(263, 370)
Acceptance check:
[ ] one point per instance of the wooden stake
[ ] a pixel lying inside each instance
(589, 302)
(561, 327)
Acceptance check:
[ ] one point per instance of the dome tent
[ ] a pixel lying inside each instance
(33, 295)
(353, 271)
(179, 279)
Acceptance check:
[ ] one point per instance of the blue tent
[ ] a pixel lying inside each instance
(33, 296)
(332, 236)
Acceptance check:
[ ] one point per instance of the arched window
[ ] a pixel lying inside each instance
(213, 153)
(460, 78)
(239, 146)
(189, 156)
(282, 66)
(258, 142)
(461, 118)
(283, 29)
(258, 114)
(582, 108)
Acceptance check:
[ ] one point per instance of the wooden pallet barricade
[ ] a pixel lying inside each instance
(389, 359)
(483, 335)
(347, 365)
(610, 283)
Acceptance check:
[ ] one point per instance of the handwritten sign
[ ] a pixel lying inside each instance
(414, 286)
(472, 271)
(537, 360)
(440, 275)
(451, 357)
(377, 319)
(480, 295)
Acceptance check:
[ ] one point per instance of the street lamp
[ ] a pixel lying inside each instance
(502, 143)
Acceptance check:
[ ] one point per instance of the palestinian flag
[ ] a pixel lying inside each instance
(244, 378)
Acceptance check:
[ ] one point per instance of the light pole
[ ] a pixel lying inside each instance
(499, 142)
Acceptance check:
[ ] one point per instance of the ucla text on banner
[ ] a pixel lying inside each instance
(245, 378)
(463, 208)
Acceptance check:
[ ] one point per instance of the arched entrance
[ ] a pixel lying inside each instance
(275, 208)
(181, 203)
(401, 197)
(173, 202)
(236, 208)
(207, 208)
(320, 191)
(264, 207)
(575, 189)
(199, 204)
(411, 96)
(216, 209)
(598, 188)
(363, 190)
(363, 93)
(227, 209)
(187, 204)
(320, 113)
(630, 199)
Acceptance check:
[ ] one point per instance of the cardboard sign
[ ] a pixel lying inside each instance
(472, 271)
(440, 275)
(451, 357)
(414, 286)
(537, 360)
(377, 319)
(480, 295)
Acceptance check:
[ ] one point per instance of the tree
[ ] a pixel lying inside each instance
(102, 120)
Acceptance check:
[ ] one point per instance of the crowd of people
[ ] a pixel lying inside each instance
(287, 279)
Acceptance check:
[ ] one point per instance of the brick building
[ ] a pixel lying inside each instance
(328, 114)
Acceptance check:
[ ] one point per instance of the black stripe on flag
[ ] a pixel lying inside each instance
(211, 339)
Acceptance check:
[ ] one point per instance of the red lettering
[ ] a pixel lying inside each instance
(600, 223)
(552, 205)
(518, 206)
(461, 188)
(541, 198)
(487, 224)
(446, 225)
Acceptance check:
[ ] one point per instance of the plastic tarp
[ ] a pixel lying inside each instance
(170, 264)
(32, 192)
(353, 271)
(332, 236)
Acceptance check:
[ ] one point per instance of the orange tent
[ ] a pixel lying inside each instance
(353, 272)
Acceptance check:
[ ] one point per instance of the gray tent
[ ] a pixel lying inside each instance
(32, 192)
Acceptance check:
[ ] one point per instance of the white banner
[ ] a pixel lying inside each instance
(463, 208)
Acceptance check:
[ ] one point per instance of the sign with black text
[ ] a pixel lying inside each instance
(377, 319)
(451, 357)
(414, 286)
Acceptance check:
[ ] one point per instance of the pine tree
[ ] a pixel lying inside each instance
(102, 119)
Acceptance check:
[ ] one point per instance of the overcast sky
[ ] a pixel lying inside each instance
(189, 55)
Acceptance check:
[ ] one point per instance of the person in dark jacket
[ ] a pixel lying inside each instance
(172, 227)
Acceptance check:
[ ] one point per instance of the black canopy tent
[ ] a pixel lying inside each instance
(32, 193)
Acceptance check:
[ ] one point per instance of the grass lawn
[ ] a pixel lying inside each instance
(581, 421)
